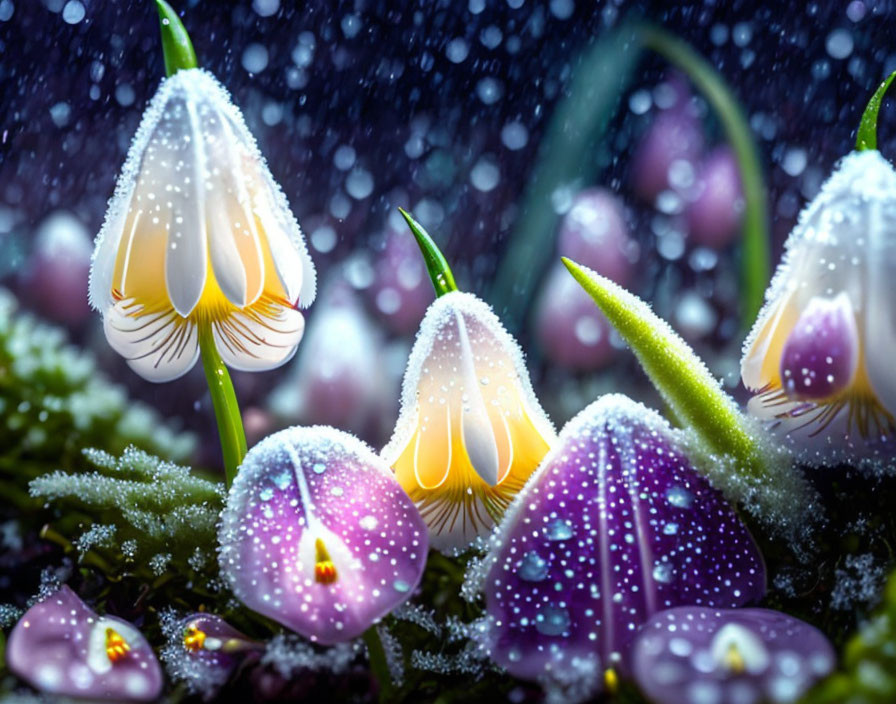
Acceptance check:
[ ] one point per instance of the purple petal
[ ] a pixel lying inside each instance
(821, 353)
(62, 647)
(319, 536)
(700, 655)
(614, 525)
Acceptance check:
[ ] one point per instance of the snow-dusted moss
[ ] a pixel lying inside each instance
(54, 402)
(152, 510)
(868, 667)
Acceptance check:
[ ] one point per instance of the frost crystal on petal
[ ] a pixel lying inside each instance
(62, 647)
(614, 526)
(694, 655)
(319, 536)
(471, 430)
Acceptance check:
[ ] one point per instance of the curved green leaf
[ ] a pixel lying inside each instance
(176, 44)
(866, 138)
(695, 397)
(436, 264)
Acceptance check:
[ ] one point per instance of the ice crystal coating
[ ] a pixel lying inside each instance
(700, 655)
(614, 526)
(62, 647)
(158, 505)
(319, 536)
(199, 234)
(470, 430)
(837, 277)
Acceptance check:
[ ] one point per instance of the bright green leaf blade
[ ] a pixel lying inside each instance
(694, 396)
(755, 247)
(726, 445)
(866, 138)
(436, 264)
(176, 44)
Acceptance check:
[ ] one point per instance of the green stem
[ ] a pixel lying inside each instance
(378, 664)
(755, 254)
(436, 265)
(176, 44)
(227, 410)
(866, 138)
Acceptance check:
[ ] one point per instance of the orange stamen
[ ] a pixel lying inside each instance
(116, 646)
(324, 569)
(194, 639)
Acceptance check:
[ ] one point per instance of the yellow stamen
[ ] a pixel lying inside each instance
(734, 661)
(611, 681)
(194, 638)
(324, 569)
(116, 646)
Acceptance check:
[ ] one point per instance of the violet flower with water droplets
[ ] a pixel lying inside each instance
(62, 647)
(700, 655)
(614, 526)
(319, 536)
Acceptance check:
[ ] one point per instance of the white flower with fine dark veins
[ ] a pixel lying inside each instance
(198, 236)
(820, 357)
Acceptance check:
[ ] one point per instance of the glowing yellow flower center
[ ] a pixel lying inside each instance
(194, 638)
(611, 681)
(116, 646)
(324, 569)
(734, 660)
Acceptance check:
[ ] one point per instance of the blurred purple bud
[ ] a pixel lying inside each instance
(62, 647)
(571, 330)
(700, 655)
(714, 215)
(666, 156)
(341, 377)
(54, 281)
(401, 290)
(594, 233)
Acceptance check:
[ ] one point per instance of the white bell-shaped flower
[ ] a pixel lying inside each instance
(818, 358)
(470, 430)
(198, 236)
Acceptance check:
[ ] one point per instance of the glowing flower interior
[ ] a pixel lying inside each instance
(62, 647)
(471, 430)
(199, 234)
(615, 525)
(818, 357)
(699, 655)
(319, 536)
